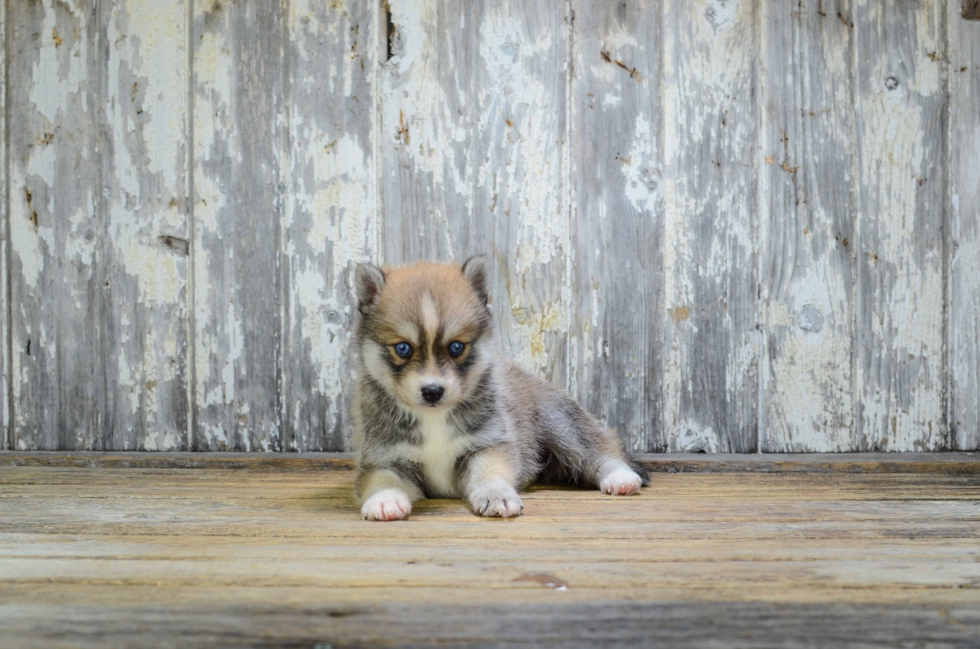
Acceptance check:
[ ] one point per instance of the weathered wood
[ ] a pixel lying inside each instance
(473, 157)
(617, 323)
(6, 437)
(716, 222)
(237, 219)
(710, 259)
(946, 463)
(110, 556)
(143, 149)
(542, 624)
(331, 212)
(808, 201)
(971, 9)
(56, 224)
(901, 123)
(963, 226)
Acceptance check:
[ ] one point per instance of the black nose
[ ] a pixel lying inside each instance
(432, 393)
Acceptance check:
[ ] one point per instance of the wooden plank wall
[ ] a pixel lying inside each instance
(741, 225)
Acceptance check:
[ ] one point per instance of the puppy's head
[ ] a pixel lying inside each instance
(425, 330)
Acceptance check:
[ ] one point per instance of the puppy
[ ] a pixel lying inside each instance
(438, 415)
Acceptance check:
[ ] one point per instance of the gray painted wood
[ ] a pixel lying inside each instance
(237, 216)
(711, 382)
(331, 213)
(473, 157)
(5, 436)
(808, 200)
(718, 223)
(618, 217)
(963, 252)
(901, 122)
(145, 235)
(57, 270)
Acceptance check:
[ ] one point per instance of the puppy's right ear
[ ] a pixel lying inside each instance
(369, 280)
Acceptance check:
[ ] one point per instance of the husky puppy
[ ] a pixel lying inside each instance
(438, 415)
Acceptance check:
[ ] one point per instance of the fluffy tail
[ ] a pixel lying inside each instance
(641, 470)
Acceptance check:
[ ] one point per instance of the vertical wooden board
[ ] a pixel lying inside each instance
(330, 209)
(809, 198)
(146, 243)
(57, 278)
(710, 193)
(5, 437)
(963, 252)
(899, 308)
(237, 91)
(473, 126)
(617, 327)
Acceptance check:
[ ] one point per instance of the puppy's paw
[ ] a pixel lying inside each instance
(620, 482)
(499, 502)
(387, 505)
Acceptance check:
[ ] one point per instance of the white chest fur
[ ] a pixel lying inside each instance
(438, 453)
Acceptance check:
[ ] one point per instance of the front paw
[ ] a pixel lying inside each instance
(497, 502)
(387, 505)
(620, 482)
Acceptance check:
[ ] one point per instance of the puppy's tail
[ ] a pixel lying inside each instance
(640, 469)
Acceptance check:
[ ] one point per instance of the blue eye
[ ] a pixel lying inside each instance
(403, 349)
(456, 348)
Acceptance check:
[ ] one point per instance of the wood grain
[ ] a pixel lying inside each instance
(58, 273)
(238, 209)
(143, 151)
(809, 199)
(473, 122)
(901, 125)
(270, 559)
(617, 328)
(711, 202)
(624, 624)
(963, 226)
(331, 212)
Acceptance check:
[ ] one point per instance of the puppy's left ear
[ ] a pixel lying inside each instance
(476, 270)
(369, 280)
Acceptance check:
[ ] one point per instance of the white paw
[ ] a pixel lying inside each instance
(499, 502)
(620, 482)
(387, 505)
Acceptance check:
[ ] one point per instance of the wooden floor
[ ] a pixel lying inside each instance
(117, 556)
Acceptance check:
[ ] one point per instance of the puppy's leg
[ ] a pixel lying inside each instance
(385, 494)
(613, 469)
(487, 479)
(582, 451)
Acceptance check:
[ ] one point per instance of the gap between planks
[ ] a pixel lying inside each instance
(947, 463)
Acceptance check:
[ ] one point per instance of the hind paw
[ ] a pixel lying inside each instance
(620, 482)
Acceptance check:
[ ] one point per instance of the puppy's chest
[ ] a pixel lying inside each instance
(440, 448)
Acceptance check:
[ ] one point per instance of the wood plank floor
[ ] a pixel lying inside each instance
(127, 557)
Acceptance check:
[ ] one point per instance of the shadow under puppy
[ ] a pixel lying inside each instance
(438, 415)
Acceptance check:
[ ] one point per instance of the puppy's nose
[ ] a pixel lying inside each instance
(432, 393)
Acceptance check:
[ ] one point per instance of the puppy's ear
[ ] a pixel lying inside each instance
(476, 270)
(369, 280)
